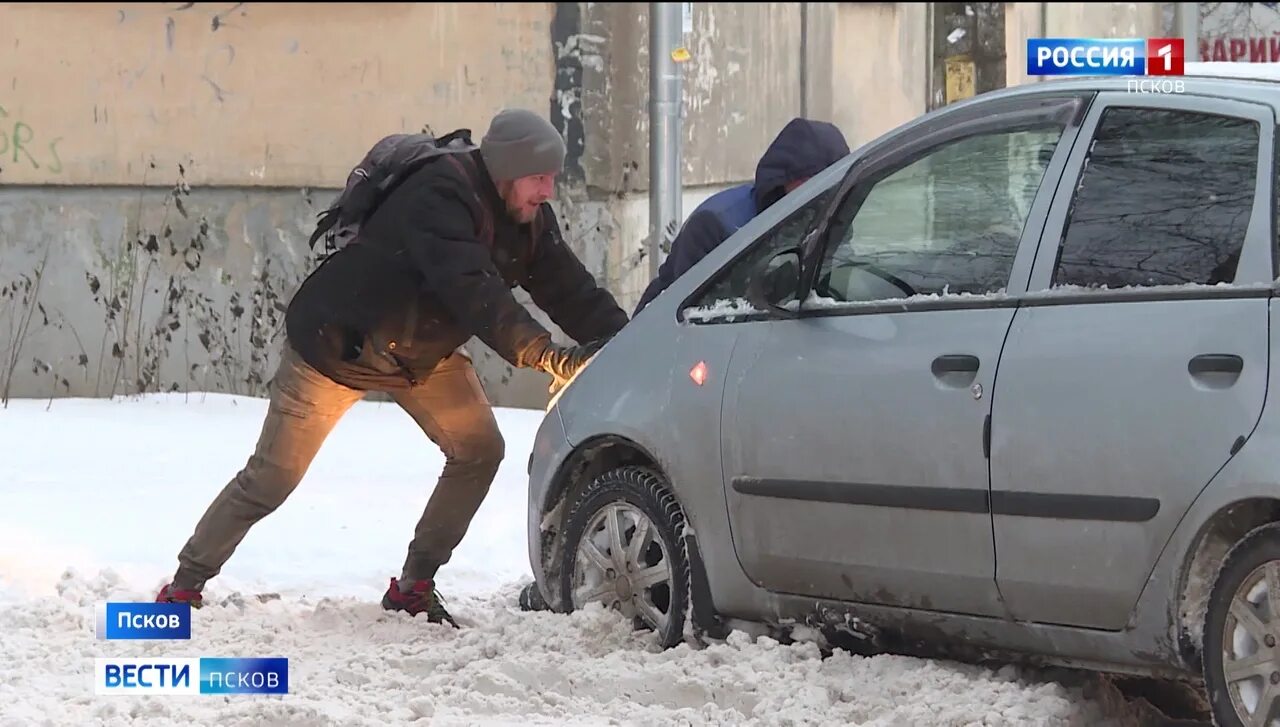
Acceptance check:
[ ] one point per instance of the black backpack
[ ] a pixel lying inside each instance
(392, 160)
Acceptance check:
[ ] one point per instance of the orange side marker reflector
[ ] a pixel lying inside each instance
(699, 373)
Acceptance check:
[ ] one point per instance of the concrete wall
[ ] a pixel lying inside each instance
(229, 126)
(135, 295)
(1021, 21)
(1104, 20)
(876, 86)
(221, 129)
(251, 94)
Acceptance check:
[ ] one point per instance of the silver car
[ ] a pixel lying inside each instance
(994, 384)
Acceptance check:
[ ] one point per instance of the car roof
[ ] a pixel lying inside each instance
(1217, 80)
(1255, 82)
(1221, 80)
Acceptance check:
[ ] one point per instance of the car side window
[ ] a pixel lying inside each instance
(1164, 199)
(730, 284)
(947, 222)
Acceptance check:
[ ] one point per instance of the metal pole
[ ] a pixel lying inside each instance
(1187, 20)
(804, 60)
(664, 129)
(931, 57)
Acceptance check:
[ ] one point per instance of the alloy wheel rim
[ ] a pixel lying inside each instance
(623, 563)
(1250, 656)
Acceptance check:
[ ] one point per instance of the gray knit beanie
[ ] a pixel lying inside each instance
(520, 143)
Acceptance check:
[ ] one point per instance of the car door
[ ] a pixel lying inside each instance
(853, 429)
(1137, 365)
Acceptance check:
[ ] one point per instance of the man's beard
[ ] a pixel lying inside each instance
(523, 215)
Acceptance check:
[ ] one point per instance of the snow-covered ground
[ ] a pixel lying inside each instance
(97, 497)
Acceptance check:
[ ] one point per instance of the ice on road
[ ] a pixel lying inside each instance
(97, 497)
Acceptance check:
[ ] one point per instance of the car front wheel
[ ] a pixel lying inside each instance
(1242, 630)
(623, 549)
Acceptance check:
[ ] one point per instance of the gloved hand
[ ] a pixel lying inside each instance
(563, 362)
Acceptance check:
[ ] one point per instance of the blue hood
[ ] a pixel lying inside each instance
(802, 149)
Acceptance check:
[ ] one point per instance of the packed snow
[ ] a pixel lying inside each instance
(729, 308)
(816, 301)
(97, 497)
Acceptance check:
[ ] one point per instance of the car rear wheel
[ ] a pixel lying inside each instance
(1242, 633)
(623, 550)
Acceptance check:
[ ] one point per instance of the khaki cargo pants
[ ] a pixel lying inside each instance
(450, 407)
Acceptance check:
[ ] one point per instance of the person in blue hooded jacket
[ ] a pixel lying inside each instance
(802, 149)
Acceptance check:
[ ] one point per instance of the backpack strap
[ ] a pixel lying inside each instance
(466, 165)
(392, 160)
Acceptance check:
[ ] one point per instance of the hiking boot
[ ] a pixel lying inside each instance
(421, 598)
(169, 594)
(531, 599)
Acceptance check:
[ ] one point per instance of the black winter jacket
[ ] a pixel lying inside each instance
(433, 266)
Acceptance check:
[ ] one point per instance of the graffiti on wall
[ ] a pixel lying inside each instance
(1239, 32)
(1241, 50)
(20, 144)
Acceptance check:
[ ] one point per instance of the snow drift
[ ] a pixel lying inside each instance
(96, 498)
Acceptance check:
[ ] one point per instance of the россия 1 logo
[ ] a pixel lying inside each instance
(1105, 57)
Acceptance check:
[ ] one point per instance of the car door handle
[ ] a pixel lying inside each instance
(955, 364)
(1215, 363)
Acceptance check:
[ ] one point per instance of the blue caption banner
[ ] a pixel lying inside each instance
(188, 676)
(153, 621)
(1086, 57)
(244, 676)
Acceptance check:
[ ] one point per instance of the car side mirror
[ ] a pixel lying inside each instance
(775, 282)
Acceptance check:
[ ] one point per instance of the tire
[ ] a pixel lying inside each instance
(1244, 576)
(625, 495)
